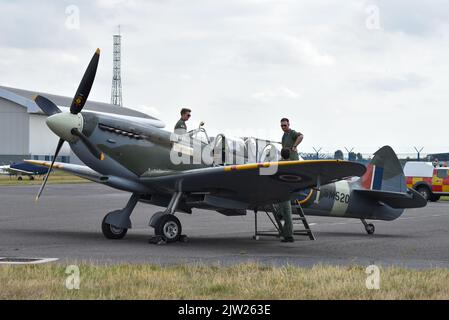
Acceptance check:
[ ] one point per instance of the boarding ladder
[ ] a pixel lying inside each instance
(298, 218)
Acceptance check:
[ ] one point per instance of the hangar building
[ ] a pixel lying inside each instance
(24, 133)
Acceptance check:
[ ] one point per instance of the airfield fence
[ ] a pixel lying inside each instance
(367, 157)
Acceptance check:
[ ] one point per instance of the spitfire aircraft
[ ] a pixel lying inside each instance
(163, 168)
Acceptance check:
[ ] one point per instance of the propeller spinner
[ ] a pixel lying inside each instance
(69, 126)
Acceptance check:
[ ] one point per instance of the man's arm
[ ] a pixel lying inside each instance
(297, 142)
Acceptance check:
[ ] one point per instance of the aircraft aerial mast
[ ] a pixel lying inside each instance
(116, 96)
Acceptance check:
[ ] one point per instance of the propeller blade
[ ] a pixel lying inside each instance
(58, 149)
(92, 148)
(86, 85)
(46, 105)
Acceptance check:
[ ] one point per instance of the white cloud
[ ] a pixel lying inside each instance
(271, 95)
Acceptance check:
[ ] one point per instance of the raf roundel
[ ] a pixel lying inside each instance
(290, 178)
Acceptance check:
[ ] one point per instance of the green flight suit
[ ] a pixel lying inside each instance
(283, 211)
(288, 141)
(181, 127)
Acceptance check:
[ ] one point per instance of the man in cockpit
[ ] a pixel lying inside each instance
(181, 127)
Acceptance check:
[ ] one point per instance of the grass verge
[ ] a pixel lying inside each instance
(246, 281)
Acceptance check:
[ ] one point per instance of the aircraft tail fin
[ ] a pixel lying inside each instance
(384, 181)
(384, 173)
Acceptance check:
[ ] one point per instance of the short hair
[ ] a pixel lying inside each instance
(184, 111)
(285, 120)
(285, 153)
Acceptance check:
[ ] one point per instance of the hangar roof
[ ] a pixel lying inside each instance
(24, 98)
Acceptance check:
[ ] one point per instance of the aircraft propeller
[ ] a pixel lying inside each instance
(60, 122)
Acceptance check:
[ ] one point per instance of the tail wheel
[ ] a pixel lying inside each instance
(370, 229)
(169, 227)
(425, 192)
(111, 232)
(434, 198)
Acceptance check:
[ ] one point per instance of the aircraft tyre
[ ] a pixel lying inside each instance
(111, 232)
(425, 192)
(370, 229)
(169, 227)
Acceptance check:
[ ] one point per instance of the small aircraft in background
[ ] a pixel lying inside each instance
(127, 154)
(23, 169)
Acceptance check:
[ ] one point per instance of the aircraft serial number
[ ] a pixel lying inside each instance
(338, 196)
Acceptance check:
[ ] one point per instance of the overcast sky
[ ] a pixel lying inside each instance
(359, 74)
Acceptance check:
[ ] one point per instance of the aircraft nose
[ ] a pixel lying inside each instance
(63, 123)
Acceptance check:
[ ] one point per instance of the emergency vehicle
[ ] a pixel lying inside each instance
(432, 182)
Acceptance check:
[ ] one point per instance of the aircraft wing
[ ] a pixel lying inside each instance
(257, 184)
(14, 171)
(77, 170)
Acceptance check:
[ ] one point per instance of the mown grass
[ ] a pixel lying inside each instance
(444, 198)
(55, 178)
(247, 281)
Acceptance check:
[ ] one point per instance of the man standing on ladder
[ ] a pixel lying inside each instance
(291, 139)
(283, 210)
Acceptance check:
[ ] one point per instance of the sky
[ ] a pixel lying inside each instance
(354, 74)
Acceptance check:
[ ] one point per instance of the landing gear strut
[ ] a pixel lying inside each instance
(167, 227)
(369, 227)
(115, 224)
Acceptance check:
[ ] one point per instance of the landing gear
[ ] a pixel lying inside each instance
(111, 232)
(166, 226)
(169, 228)
(115, 224)
(369, 227)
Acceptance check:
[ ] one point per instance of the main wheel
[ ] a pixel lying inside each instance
(168, 227)
(425, 192)
(370, 229)
(111, 232)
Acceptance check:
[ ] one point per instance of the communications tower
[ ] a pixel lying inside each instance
(116, 95)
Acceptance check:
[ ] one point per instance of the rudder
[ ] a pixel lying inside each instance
(384, 172)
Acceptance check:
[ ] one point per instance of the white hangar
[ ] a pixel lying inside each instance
(24, 133)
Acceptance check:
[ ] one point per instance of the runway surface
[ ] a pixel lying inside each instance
(66, 224)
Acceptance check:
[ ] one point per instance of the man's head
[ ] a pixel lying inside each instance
(185, 114)
(285, 154)
(285, 124)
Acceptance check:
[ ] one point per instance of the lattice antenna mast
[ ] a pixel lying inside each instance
(116, 96)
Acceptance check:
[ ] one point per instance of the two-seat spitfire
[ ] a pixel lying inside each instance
(136, 155)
